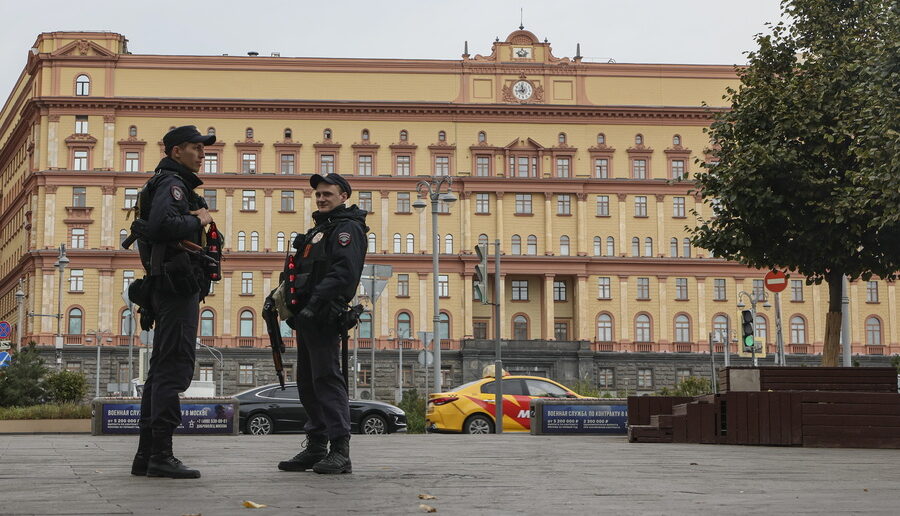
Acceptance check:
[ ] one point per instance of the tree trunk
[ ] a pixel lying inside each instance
(832, 349)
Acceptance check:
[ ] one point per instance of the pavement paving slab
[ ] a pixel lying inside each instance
(492, 475)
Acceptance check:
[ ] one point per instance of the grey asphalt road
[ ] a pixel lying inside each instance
(495, 474)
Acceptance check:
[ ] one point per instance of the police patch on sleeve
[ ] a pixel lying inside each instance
(177, 193)
(344, 239)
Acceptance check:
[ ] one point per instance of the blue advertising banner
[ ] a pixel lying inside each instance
(584, 419)
(196, 418)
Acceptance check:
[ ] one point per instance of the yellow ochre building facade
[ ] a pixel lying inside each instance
(574, 166)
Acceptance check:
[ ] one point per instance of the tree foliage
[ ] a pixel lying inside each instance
(690, 386)
(22, 382)
(65, 387)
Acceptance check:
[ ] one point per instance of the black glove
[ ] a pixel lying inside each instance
(307, 315)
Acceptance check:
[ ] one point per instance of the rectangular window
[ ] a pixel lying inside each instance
(247, 283)
(248, 200)
(872, 292)
(73, 367)
(677, 169)
(562, 167)
(79, 197)
(77, 240)
(245, 374)
(211, 163)
(442, 165)
(132, 162)
(523, 203)
(76, 280)
(210, 197)
(678, 207)
(682, 375)
(482, 166)
(81, 124)
(127, 279)
(520, 290)
(759, 288)
(640, 206)
(365, 201)
(403, 205)
(80, 160)
(443, 207)
(131, 195)
(681, 289)
(248, 162)
(606, 378)
(403, 165)
(482, 203)
(719, 293)
(563, 204)
(639, 169)
(643, 288)
(287, 164)
(601, 168)
(561, 330)
(796, 290)
(603, 288)
(443, 285)
(206, 373)
(326, 164)
(364, 165)
(287, 200)
(364, 374)
(403, 285)
(645, 379)
(480, 329)
(559, 290)
(603, 206)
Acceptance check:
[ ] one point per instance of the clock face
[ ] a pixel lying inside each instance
(522, 90)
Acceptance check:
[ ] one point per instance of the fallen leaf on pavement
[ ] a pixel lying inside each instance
(198, 514)
(427, 508)
(253, 505)
(427, 497)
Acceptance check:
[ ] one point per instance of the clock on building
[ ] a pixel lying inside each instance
(523, 90)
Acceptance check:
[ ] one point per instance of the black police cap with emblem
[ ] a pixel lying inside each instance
(186, 133)
(332, 179)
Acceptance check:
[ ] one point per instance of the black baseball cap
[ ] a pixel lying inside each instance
(332, 179)
(186, 133)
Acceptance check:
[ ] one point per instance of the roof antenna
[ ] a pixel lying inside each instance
(521, 22)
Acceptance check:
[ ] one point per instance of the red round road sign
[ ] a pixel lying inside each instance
(775, 281)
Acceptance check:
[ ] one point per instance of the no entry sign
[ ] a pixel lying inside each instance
(775, 281)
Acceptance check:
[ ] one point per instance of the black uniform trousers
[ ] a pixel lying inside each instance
(172, 361)
(323, 391)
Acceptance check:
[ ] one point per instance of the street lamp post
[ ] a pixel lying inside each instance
(220, 359)
(20, 324)
(432, 189)
(61, 262)
(754, 298)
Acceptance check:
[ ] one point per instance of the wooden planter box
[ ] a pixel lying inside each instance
(45, 426)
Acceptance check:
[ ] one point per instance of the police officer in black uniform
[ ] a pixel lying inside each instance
(323, 275)
(175, 283)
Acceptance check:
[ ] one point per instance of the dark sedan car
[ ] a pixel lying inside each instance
(268, 409)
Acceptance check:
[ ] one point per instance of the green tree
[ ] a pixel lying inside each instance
(22, 382)
(414, 406)
(802, 182)
(65, 386)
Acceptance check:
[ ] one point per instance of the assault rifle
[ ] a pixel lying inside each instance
(139, 231)
(270, 316)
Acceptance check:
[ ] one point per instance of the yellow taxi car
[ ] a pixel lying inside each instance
(470, 407)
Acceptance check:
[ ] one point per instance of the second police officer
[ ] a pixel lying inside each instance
(326, 267)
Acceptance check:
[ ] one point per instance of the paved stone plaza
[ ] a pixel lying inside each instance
(506, 474)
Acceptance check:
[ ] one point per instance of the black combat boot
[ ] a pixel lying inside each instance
(163, 463)
(315, 447)
(338, 459)
(142, 457)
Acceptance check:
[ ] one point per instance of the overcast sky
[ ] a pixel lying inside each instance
(644, 31)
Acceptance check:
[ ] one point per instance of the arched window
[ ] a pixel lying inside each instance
(873, 331)
(673, 247)
(564, 245)
(279, 242)
(326, 134)
(610, 246)
(448, 244)
(254, 241)
(372, 243)
(246, 328)
(598, 246)
(482, 239)
(249, 133)
(686, 248)
(442, 136)
(642, 331)
(648, 246)
(211, 131)
(520, 328)
(444, 326)
(798, 330)
(410, 243)
(82, 86)
(676, 140)
(516, 248)
(604, 328)
(125, 323)
(294, 235)
(601, 139)
(242, 241)
(532, 245)
(561, 138)
(761, 329)
(207, 323)
(721, 327)
(365, 325)
(635, 246)
(132, 131)
(482, 136)
(638, 139)
(365, 135)
(404, 135)
(682, 328)
(123, 234)
(398, 243)
(75, 319)
(404, 325)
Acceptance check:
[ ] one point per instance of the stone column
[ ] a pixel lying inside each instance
(499, 218)
(266, 243)
(701, 307)
(109, 129)
(857, 331)
(424, 320)
(505, 326)
(424, 222)
(660, 225)
(467, 303)
(549, 244)
(307, 209)
(267, 282)
(53, 141)
(818, 314)
(665, 320)
(106, 301)
(582, 326)
(548, 313)
(623, 238)
(49, 292)
(624, 315)
(891, 322)
(107, 218)
(49, 217)
(231, 234)
(581, 224)
(383, 238)
(226, 314)
(465, 219)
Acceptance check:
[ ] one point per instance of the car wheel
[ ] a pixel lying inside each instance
(478, 424)
(259, 424)
(373, 424)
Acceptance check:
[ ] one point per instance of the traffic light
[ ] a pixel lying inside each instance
(748, 339)
(480, 283)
